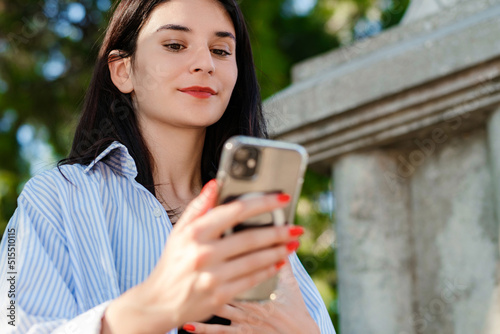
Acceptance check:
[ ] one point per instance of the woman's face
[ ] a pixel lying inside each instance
(184, 69)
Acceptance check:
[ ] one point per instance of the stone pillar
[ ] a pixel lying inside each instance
(493, 321)
(408, 122)
(456, 235)
(375, 264)
(494, 147)
(418, 245)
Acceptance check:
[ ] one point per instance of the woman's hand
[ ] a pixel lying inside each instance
(287, 314)
(199, 272)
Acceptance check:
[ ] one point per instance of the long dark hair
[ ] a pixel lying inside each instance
(108, 114)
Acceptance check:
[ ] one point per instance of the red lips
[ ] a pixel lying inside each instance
(199, 92)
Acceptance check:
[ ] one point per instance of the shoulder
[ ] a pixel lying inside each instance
(71, 177)
(74, 189)
(62, 195)
(113, 161)
(51, 190)
(48, 183)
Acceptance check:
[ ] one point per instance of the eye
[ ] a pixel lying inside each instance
(221, 52)
(175, 47)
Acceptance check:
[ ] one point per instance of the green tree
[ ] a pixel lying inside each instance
(47, 51)
(48, 47)
(315, 211)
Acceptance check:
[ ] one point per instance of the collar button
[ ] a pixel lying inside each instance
(157, 212)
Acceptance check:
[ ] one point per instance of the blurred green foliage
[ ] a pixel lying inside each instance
(47, 50)
(315, 211)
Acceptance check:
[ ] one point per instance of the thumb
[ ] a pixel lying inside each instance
(201, 204)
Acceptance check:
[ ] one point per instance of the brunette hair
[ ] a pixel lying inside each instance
(108, 115)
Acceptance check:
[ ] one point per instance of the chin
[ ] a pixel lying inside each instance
(202, 122)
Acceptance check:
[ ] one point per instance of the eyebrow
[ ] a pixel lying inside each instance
(173, 27)
(177, 27)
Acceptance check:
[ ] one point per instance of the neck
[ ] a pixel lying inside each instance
(176, 164)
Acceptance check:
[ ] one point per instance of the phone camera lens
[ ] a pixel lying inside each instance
(242, 154)
(238, 169)
(245, 161)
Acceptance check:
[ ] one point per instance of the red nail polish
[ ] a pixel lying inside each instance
(189, 328)
(283, 198)
(296, 231)
(292, 246)
(280, 264)
(209, 186)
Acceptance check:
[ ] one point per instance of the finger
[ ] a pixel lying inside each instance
(247, 264)
(243, 283)
(230, 312)
(225, 216)
(201, 328)
(201, 204)
(258, 238)
(246, 312)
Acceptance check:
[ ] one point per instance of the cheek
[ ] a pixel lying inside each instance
(232, 77)
(150, 79)
(161, 70)
(144, 81)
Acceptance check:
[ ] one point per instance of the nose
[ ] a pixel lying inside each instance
(203, 62)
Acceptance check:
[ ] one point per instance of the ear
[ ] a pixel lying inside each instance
(120, 69)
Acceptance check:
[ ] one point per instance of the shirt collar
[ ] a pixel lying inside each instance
(119, 160)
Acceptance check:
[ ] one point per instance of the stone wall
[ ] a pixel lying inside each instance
(418, 237)
(455, 235)
(408, 123)
(375, 270)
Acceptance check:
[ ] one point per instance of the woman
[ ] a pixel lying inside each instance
(173, 81)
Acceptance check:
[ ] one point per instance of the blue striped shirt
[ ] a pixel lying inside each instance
(72, 247)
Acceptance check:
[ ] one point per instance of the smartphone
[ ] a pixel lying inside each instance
(251, 167)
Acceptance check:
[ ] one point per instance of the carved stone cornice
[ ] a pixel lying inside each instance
(395, 86)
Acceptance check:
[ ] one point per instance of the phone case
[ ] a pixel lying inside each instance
(252, 166)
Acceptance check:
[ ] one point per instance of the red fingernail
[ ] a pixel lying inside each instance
(189, 328)
(209, 186)
(283, 198)
(293, 245)
(296, 231)
(280, 264)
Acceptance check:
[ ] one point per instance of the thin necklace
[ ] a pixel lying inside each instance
(173, 214)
